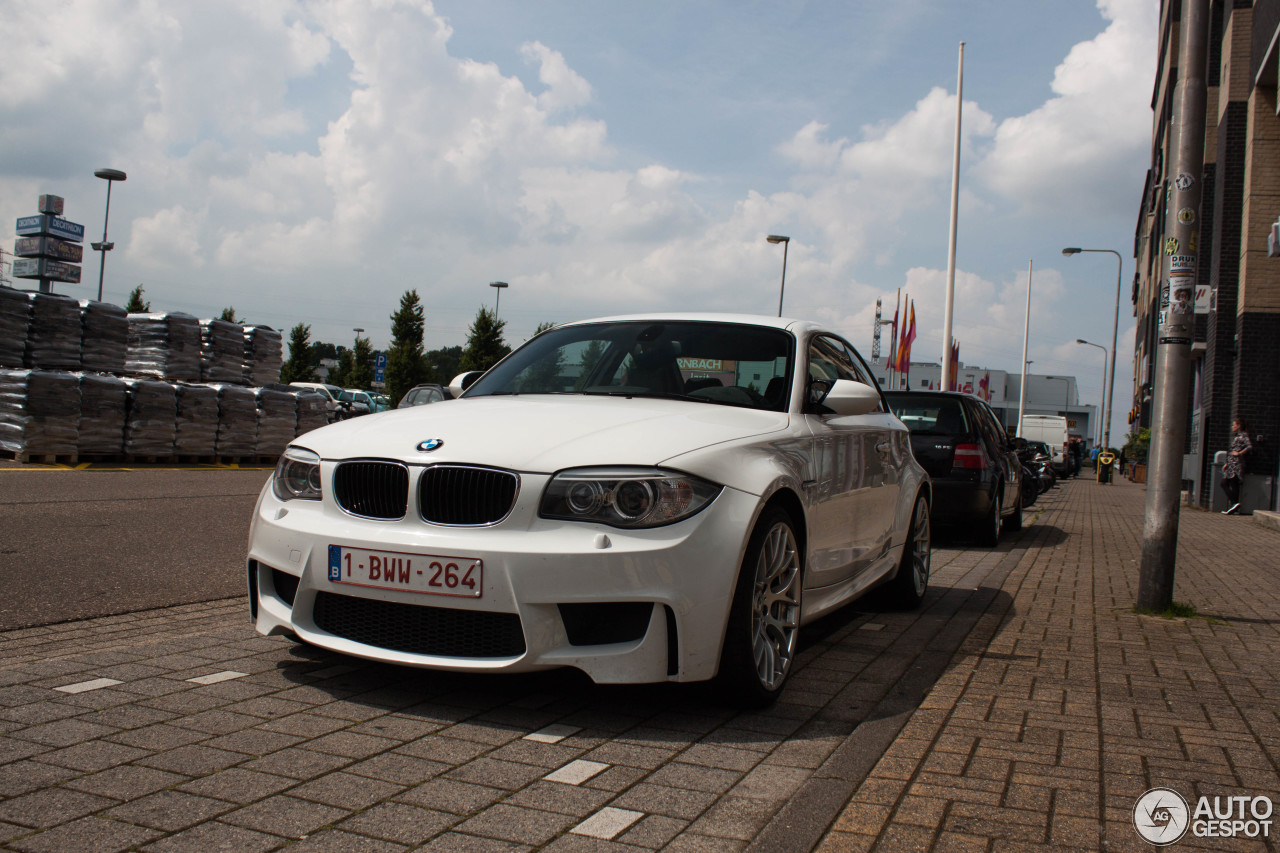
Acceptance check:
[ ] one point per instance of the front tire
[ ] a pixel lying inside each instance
(907, 589)
(764, 619)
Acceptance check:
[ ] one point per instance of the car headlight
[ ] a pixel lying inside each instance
(297, 475)
(625, 497)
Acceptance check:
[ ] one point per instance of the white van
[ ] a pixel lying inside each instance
(1052, 430)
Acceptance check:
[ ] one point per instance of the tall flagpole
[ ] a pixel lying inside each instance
(951, 251)
(1026, 334)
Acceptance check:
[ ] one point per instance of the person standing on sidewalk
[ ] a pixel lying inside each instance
(1233, 471)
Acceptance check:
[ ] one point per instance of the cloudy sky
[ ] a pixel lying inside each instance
(311, 160)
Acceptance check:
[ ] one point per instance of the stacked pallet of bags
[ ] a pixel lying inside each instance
(237, 420)
(313, 411)
(151, 418)
(15, 322)
(39, 411)
(104, 404)
(196, 429)
(277, 419)
(166, 346)
(221, 351)
(53, 338)
(105, 336)
(263, 355)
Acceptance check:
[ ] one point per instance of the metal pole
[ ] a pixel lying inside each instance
(102, 254)
(1103, 406)
(951, 248)
(1109, 411)
(1173, 351)
(1026, 334)
(782, 289)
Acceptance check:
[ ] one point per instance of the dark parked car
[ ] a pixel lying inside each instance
(420, 395)
(977, 478)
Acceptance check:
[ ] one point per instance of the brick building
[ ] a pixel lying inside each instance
(1236, 354)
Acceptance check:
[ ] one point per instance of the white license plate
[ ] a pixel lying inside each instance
(432, 574)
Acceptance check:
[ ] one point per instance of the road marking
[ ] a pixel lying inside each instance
(576, 772)
(214, 678)
(552, 734)
(607, 823)
(86, 686)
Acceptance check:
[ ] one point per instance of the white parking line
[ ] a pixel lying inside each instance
(86, 686)
(225, 675)
(576, 772)
(607, 823)
(552, 734)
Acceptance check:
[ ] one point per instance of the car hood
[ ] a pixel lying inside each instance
(540, 433)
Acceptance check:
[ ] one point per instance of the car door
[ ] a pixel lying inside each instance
(855, 479)
(1001, 453)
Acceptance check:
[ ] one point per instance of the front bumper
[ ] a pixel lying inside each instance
(623, 606)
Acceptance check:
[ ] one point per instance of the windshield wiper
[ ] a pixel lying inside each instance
(660, 395)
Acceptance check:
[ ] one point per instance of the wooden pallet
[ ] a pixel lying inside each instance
(23, 457)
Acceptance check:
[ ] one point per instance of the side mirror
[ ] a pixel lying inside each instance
(815, 392)
(463, 381)
(847, 398)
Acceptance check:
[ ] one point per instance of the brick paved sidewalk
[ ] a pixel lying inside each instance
(1047, 727)
(1023, 704)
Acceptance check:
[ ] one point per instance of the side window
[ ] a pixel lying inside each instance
(828, 360)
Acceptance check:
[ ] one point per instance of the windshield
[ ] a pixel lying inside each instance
(726, 363)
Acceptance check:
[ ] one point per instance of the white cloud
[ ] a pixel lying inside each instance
(1075, 153)
(565, 87)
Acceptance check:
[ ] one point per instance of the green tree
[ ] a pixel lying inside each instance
(1138, 445)
(324, 349)
(135, 305)
(341, 375)
(299, 367)
(229, 314)
(591, 354)
(485, 346)
(406, 362)
(361, 375)
(444, 364)
(543, 376)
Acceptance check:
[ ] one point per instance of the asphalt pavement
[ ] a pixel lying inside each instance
(83, 543)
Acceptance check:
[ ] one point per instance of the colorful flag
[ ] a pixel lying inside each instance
(984, 387)
(954, 361)
(908, 335)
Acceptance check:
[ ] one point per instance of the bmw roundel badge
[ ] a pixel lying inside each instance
(430, 444)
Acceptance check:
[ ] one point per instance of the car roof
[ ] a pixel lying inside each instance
(796, 327)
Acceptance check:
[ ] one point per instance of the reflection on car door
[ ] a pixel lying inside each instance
(857, 469)
(1002, 452)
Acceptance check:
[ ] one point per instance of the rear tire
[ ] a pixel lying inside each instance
(764, 620)
(1014, 522)
(907, 589)
(989, 532)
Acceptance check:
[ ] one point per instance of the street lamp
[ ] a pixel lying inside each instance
(498, 286)
(1115, 325)
(1104, 382)
(786, 244)
(102, 248)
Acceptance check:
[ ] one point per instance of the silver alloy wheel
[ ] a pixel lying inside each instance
(775, 612)
(920, 549)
